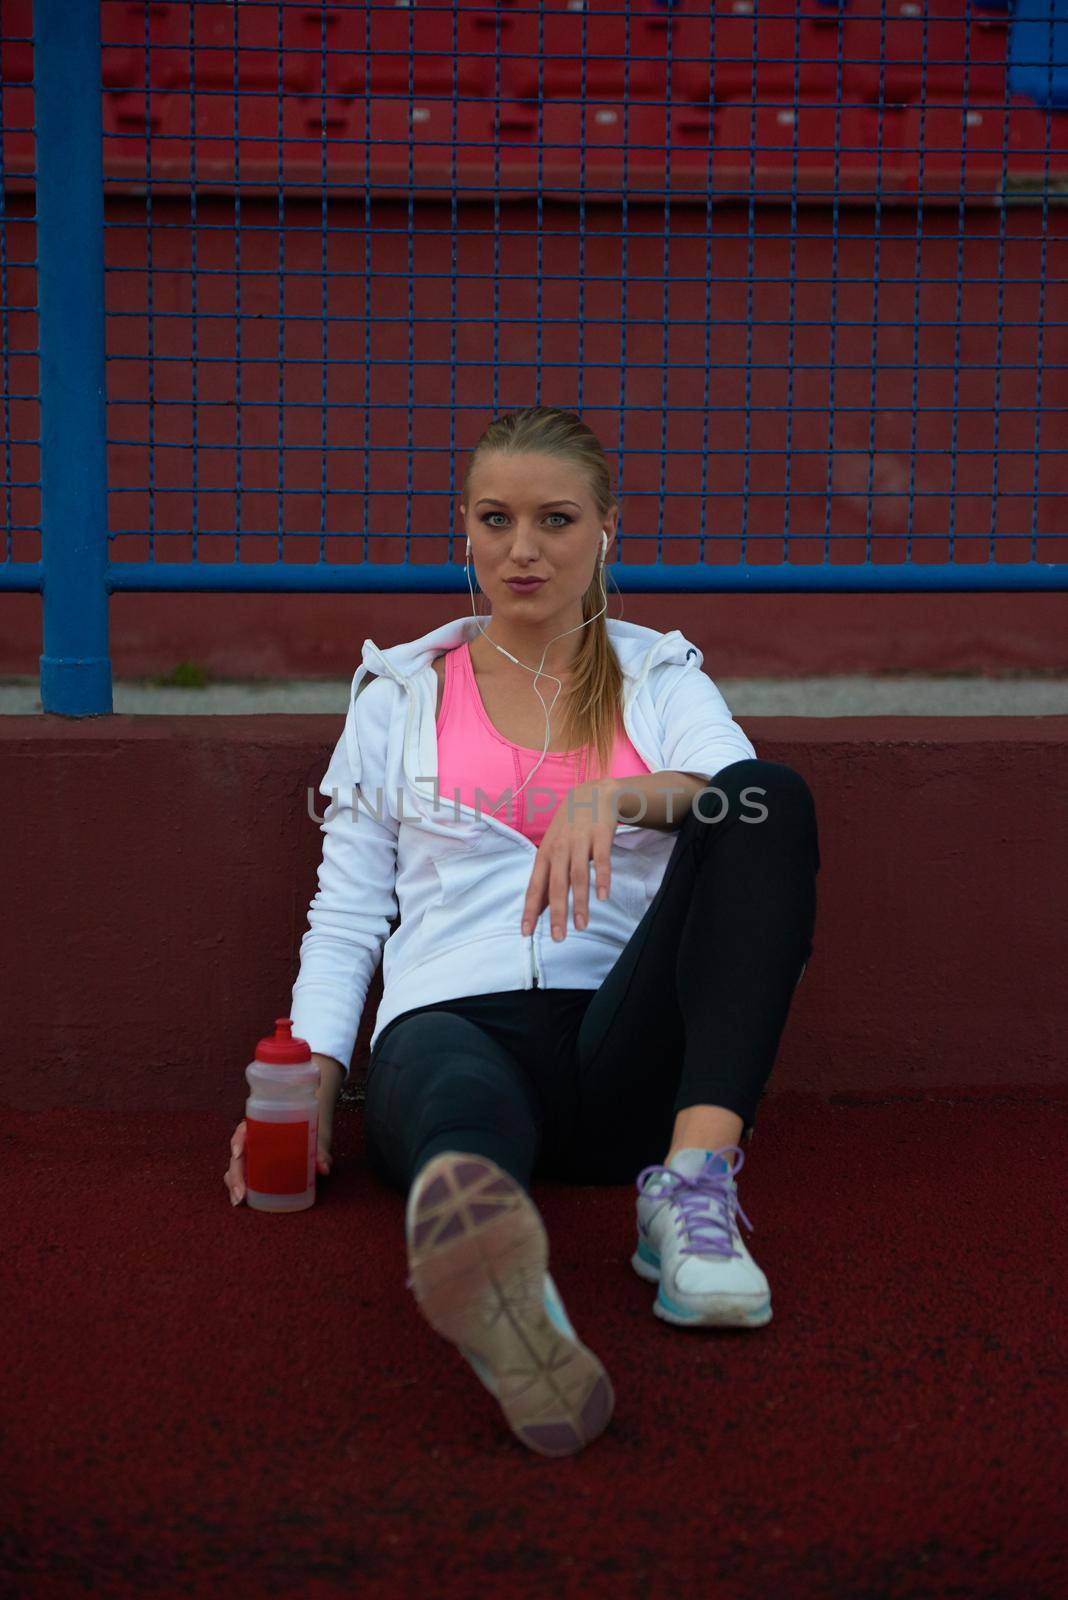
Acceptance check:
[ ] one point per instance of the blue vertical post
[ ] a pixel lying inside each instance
(75, 664)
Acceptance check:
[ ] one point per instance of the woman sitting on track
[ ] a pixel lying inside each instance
(630, 1046)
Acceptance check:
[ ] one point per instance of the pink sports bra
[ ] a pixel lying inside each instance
(472, 756)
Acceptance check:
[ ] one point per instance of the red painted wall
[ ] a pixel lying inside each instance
(774, 635)
(158, 870)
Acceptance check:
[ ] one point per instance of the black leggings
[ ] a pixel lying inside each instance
(583, 1085)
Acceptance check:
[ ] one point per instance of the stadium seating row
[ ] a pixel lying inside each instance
(890, 51)
(731, 149)
(722, 52)
(860, 99)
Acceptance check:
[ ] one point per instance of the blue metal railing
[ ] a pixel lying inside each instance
(75, 664)
(717, 328)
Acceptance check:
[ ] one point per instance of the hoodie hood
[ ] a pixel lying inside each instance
(637, 648)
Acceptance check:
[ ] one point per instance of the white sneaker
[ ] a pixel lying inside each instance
(478, 1258)
(689, 1243)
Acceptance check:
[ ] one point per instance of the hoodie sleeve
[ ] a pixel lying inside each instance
(700, 735)
(350, 915)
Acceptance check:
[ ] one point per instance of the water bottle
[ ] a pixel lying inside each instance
(282, 1123)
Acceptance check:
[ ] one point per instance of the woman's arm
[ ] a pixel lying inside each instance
(667, 797)
(700, 737)
(331, 1076)
(349, 917)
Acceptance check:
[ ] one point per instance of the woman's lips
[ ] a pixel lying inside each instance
(524, 588)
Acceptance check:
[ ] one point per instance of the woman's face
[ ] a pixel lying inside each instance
(533, 516)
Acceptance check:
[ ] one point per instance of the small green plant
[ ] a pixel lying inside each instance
(186, 675)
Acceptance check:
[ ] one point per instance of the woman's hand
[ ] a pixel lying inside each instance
(582, 828)
(234, 1177)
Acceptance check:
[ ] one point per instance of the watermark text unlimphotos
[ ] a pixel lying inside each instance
(549, 801)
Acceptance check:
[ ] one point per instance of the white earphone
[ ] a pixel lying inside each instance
(540, 673)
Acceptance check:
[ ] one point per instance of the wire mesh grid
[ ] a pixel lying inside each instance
(799, 266)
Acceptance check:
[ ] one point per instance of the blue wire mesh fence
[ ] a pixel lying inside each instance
(268, 269)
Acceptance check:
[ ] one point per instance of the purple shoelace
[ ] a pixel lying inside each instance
(707, 1234)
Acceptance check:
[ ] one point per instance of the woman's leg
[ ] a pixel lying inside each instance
(443, 1086)
(692, 1012)
(437, 1081)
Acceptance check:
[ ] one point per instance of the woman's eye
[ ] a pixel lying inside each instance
(563, 517)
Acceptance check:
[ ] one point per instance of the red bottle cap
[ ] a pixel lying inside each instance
(283, 1048)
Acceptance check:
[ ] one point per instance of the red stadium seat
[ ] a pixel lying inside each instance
(738, 49)
(16, 54)
(383, 49)
(580, 46)
(769, 151)
(595, 150)
(984, 151)
(164, 46)
(746, 50)
(922, 52)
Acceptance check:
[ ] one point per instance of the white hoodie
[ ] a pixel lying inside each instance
(459, 878)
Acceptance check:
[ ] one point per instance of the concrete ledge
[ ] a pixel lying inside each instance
(158, 872)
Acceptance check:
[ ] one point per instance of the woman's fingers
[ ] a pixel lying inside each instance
(566, 872)
(580, 889)
(234, 1178)
(325, 1135)
(535, 895)
(601, 857)
(559, 884)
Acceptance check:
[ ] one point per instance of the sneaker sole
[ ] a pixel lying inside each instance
(477, 1257)
(729, 1314)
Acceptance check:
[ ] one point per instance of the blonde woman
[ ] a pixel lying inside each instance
(606, 903)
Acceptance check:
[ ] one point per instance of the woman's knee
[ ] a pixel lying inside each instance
(753, 789)
(429, 1036)
(442, 1062)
